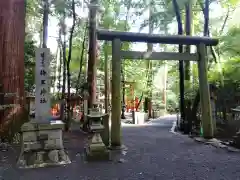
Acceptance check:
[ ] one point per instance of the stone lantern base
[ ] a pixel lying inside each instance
(42, 145)
(96, 149)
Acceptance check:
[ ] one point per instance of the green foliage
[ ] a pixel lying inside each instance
(230, 52)
(230, 44)
(118, 15)
(29, 62)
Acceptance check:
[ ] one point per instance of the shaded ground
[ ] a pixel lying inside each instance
(128, 118)
(153, 153)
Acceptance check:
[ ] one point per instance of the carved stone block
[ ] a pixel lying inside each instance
(53, 156)
(53, 144)
(96, 149)
(52, 134)
(32, 146)
(42, 145)
(29, 136)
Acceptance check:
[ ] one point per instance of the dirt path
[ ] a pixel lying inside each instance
(153, 153)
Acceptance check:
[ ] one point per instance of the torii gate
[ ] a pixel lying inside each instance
(117, 55)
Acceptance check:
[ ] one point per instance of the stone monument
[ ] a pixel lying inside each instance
(41, 138)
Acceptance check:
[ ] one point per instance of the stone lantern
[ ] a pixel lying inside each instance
(96, 149)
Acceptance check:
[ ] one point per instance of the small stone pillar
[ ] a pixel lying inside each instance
(96, 149)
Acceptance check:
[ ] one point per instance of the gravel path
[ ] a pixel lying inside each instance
(153, 153)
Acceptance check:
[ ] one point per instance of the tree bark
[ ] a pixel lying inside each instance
(67, 125)
(12, 34)
(188, 30)
(45, 23)
(92, 54)
(123, 67)
(181, 65)
(81, 60)
(64, 60)
(106, 78)
(150, 62)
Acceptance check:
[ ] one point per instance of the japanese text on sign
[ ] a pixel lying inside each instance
(42, 59)
(43, 73)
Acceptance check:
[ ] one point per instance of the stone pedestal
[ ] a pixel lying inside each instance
(156, 114)
(141, 118)
(42, 145)
(96, 149)
(146, 118)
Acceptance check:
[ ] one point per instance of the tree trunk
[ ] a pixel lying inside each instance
(106, 78)
(60, 71)
(56, 71)
(92, 54)
(165, 85)
(60, 63)
(64, 46)
(123, 91)
(40, 35)
(12, 31)
(67, 125)
(150, 62)
(81, 60)
(45, 23)
(188, 30)
(123, 67)
(181, 65)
